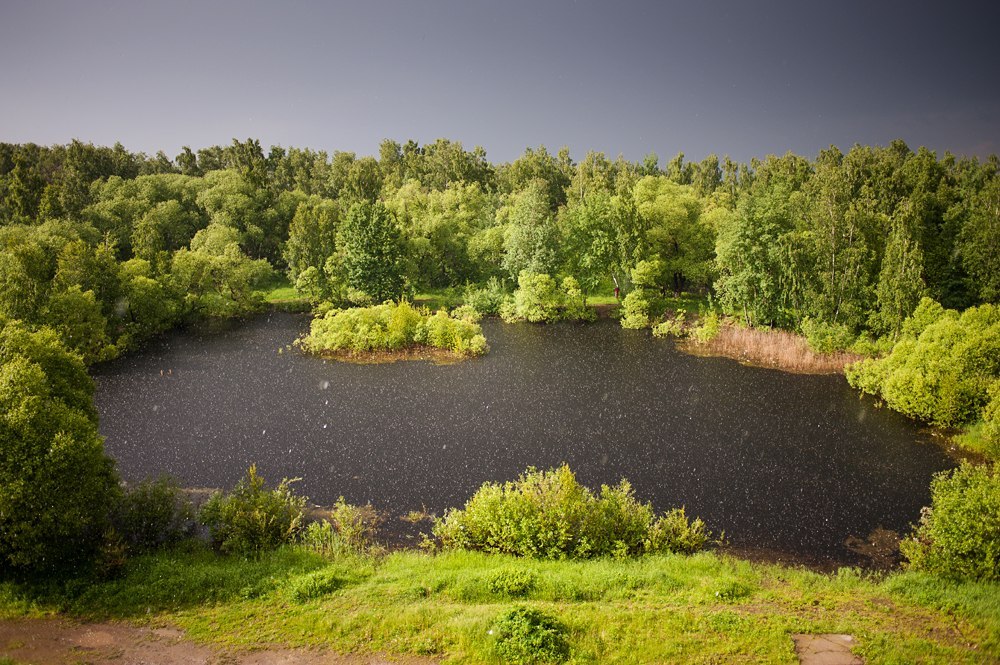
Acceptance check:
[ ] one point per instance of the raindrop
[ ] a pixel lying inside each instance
(323, 385)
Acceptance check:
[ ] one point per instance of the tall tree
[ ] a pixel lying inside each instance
(372, 258)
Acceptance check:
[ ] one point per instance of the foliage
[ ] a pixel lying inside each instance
(525, 636)
(392, 327)
(708, 329)
(548, 514)
(56, 485)
(941, 368)
(372, 256)
(673, 532)
(539, 299)
(512, 582)
(672, 327)
(153, 514)
(827, 337)
(252, 519)
(487, 299)
(959, 535)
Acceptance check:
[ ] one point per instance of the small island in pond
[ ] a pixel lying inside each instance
(395, 331)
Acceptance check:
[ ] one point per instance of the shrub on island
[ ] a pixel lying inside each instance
(392, 327)
(550, 515)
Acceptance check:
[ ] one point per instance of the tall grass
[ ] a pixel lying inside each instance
(771, 348)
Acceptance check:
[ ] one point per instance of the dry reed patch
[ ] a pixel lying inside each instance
(777, 349)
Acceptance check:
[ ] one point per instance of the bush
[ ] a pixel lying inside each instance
(675, 533)
(671, 327)
(991, 419)
(466, 313)
(488, 299)
(57, 487)
(826, 337)
(253, 519)
(524, 635)
(708, 329)
(538, 299)
(153, 514)
(941, 369)
(959, 535)
(636, 310)
(391, 327)
(548, 514)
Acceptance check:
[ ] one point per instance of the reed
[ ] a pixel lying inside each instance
(779, 349)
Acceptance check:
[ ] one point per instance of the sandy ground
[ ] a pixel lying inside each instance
(62, 642)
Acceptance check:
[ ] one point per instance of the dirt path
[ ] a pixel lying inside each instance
(62, 642)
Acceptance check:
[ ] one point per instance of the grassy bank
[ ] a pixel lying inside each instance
(701, 608)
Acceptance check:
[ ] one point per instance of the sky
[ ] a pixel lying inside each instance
(743, 78)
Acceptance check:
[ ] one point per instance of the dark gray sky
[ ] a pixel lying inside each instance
(743, 78)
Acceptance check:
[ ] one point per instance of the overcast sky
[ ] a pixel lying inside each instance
(740, 78)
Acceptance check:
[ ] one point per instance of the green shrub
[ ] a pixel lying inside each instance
(959, 535)
(941, 368)
(512, 582)
(673, 327)
(467, 313)
(153, 514)
(991, 419)
(575, 302)
(391, 327)
(524, 636)
(487, 299)
(673, 532)
(252, 519)
(824, 337)
(538, 299)
(636, 310)
(56, 485)
(708, 329)
(548, 514)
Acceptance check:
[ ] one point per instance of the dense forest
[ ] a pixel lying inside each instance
(103, 248)
(108, 246)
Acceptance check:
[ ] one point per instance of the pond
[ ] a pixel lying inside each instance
(785, 463)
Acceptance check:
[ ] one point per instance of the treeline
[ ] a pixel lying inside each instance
(852, 240)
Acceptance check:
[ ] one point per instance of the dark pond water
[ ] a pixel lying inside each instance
(782, 462)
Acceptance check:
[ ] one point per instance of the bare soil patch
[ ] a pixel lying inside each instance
(62, 642)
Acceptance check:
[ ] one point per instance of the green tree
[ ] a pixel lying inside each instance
(901, 283)
(980, 238)
(56, 485)
(531, 237)
(372, 256)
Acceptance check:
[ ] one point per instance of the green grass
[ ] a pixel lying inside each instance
(281, 294)
(973, 438)
(435, 299)
(701, 608)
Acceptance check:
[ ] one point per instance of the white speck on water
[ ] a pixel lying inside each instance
(323, 385)
(156, 407)
(324, 426)
(263, 431)
(444, 447)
